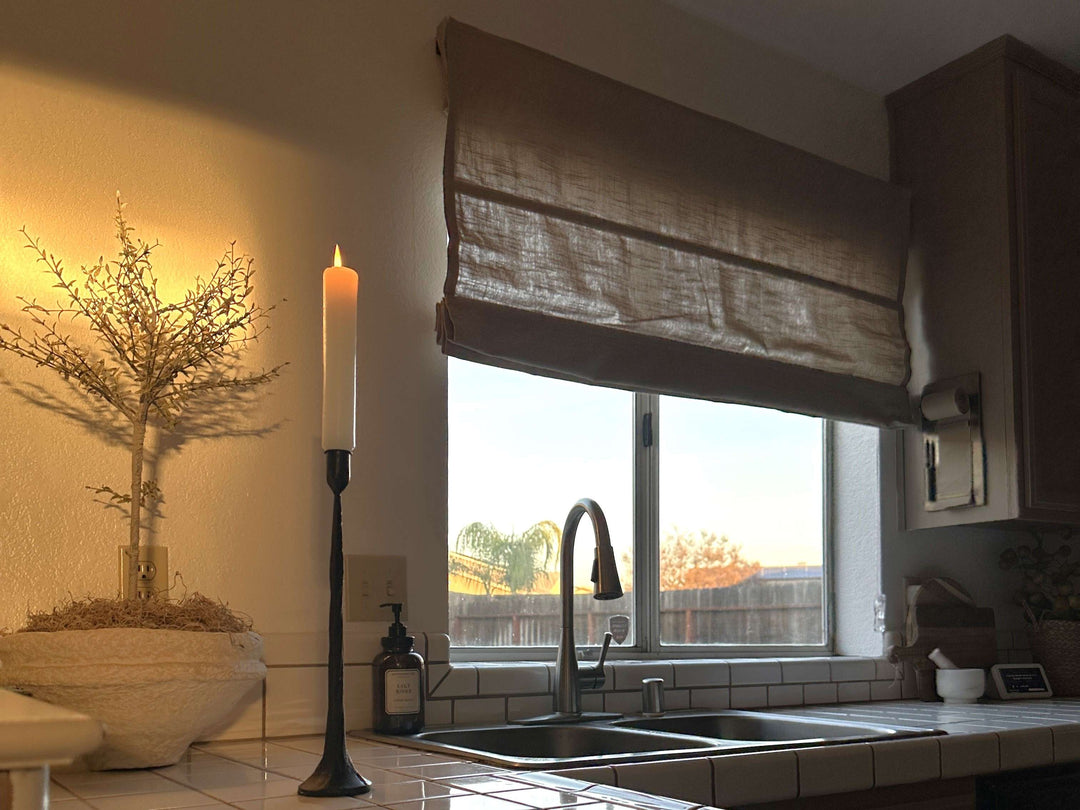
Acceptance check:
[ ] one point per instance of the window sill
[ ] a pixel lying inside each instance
(489, 691)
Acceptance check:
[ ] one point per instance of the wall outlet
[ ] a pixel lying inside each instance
(371, 581)
(153, 576)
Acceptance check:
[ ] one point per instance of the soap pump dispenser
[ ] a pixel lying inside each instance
(397, 681)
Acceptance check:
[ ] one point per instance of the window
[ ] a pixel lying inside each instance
(717, 522)
(741, 516)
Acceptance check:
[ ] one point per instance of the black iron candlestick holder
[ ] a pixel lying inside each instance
(335, 775)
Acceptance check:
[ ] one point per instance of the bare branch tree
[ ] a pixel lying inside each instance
(148, 359)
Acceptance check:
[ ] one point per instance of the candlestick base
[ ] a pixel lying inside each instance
(335, 774)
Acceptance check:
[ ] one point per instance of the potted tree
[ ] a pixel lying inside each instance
(157, 672)
(1050, 597)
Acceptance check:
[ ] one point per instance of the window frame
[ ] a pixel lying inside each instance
(647, 645)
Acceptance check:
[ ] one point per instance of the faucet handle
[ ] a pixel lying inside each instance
(592, 677)
(603, 651)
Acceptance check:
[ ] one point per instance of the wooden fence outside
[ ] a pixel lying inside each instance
(756, 611)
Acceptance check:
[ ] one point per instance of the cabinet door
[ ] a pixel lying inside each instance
(1046, 339)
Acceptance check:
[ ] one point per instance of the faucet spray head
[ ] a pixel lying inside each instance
(605, 574)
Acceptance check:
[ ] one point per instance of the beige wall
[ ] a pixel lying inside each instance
(288, 126)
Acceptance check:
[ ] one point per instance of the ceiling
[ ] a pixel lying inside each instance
(881, 45)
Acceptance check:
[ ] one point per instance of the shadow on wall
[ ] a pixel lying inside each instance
(236, 60)
(218, 414)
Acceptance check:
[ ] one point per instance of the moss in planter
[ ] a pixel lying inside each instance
(194, 612)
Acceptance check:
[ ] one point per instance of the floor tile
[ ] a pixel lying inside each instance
(445, 770)
(751, 778)
(168, 800)
(543, 798)
(968, 754)
(400, 759)
(689, 780)
(263, 755)
(97, 784)
(386, 793)
(1027, 748)
(1066, 743)
(559, 781)
(313, 744)
(603, 775)
(205, 776)
(269, 788)
(620, 796)
(376, 775)
(898, 762)
(475, 801)
(304, 803)
(58, 792)
(835, 769)
(485, 783)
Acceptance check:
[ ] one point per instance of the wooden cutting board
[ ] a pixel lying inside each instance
(965, 634)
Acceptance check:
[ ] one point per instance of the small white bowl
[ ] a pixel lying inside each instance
(961, 685)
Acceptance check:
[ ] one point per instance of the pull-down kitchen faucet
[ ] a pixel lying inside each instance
(569, 677)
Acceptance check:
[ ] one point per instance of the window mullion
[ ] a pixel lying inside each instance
(647, 522)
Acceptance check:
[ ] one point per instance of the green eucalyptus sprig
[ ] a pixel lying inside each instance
(1050, 587)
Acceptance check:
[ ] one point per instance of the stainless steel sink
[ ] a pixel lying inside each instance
(561, 745)
(639, 739)
(767, 728)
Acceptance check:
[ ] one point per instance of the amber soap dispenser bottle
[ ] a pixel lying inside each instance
(397, 681)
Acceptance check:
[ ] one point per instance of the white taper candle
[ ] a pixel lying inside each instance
(340, 286)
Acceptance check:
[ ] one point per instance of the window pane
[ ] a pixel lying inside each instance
(741, 525)
(522, 451)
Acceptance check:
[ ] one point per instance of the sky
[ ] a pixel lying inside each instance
(524, 448)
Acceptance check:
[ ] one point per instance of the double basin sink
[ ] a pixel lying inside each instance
(638, 739)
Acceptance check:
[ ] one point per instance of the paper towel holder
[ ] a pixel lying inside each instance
(954, 452)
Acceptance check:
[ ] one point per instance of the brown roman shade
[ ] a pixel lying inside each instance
(602, 234)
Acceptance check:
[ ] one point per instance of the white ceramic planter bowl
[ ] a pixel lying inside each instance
(155, 691)
(961, 685)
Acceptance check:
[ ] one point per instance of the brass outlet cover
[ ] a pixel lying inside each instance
(153, 574)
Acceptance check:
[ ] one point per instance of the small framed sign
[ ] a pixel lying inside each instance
(1019, 682)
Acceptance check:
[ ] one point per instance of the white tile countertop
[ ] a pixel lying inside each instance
(263, 775)
(980, 739)
(34, 734)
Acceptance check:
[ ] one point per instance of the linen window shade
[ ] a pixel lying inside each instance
(602, 234)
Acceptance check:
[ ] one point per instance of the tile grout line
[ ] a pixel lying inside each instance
(873, 767)
(798, 774)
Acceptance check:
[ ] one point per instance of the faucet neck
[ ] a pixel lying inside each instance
(568, 686)
(566, 570)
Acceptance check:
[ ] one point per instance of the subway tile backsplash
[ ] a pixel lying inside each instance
(292, 701)
(698, 684)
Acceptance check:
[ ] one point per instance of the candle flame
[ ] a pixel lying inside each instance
(337, 256)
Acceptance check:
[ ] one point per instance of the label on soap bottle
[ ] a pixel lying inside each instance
(402, 693)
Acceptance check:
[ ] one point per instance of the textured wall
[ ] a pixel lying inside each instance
(856, 556)
(288, 126)
(969, 554)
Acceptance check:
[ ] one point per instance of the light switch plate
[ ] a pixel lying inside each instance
(153, 571)
(371, 581)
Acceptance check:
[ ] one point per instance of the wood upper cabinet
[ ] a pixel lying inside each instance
(990, 147)
(1047, 289)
